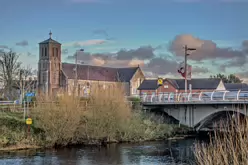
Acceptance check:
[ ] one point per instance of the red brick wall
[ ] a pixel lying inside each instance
(165, 88)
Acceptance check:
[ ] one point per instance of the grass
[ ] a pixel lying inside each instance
(104, 117)
(225, 148)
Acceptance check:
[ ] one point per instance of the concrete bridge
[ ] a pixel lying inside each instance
(199, 110)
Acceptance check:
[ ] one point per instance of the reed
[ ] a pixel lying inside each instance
(226, 147)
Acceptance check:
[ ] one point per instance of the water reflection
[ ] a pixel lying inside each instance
(167, 152)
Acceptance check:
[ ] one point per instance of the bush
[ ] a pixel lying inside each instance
(59, 120)
(71, 120)
(105, 116)
(225, 148)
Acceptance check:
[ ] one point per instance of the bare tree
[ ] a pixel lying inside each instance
(24, 81)
(9, 70)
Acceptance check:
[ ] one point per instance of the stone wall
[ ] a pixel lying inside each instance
(135, 82)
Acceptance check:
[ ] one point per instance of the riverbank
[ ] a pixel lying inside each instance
(104, 117)
(14, 135)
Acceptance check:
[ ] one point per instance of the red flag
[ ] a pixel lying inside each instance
(181, 70)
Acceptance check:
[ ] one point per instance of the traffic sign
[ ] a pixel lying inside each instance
(29, 121)
(160, 81)
(30, 94)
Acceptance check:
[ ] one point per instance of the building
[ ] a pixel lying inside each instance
(55, 76)
(150, 86)
(236, 86)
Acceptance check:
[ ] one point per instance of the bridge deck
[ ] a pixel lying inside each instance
(209, 97)
(198, 103)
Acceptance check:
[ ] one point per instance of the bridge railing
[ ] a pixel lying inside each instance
(208, 96)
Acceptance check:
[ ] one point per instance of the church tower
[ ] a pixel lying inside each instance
(49, 66)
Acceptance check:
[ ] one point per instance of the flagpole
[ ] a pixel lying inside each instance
(76, 70)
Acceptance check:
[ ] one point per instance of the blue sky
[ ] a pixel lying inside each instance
(124, 24)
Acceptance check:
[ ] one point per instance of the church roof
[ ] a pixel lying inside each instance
(49, 41)
(99, 73)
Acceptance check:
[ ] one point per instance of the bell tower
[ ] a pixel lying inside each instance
(49, 67)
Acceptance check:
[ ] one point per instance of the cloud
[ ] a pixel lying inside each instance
(245, 46)
(122, 58)
(102, 32)
(65, 51)
(243, 74)
(22, 43)
(161, 66)
(239, 61)
(205, 49)
(4, 47)
(142, 53)
(166, 64)
(29, 54)
(143, 56)
(86, 43)
(199, 70)
(208, 50)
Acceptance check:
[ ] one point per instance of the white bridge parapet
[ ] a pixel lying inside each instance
(194, 97)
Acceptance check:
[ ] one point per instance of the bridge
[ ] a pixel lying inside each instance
(199, 110)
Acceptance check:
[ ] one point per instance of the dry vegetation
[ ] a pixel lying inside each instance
(226, 148)
(105, 116)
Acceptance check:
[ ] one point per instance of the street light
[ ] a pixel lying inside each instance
(76, 73)
(186, 49)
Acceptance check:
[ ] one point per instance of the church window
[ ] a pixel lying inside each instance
(45, 51)
(54, 52)
(55, 78)
(57, 52)
(44, 77)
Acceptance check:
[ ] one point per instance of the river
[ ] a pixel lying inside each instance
(149, 153)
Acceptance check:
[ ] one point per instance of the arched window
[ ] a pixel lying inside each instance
(57, 52)
(42, 52)
(45, 51)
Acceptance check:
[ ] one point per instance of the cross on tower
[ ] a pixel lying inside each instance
(50, 34)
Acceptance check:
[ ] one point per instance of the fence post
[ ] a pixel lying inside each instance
(24, 110)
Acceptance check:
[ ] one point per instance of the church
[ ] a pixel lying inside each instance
(55, 76)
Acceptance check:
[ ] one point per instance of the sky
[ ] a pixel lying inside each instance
(121, 33)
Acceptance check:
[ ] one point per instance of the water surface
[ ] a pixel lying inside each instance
(148, 153)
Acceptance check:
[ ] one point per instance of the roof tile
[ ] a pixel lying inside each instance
(98, 73)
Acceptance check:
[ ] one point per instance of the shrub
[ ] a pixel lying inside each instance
(105, 116)
(70, 119)
(58, 119)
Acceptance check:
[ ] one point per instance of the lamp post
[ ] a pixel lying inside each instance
(186, 49)
(76, 70)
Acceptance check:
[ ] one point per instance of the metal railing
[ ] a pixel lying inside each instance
(7, 102)
(209, 96)
(9, 105)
